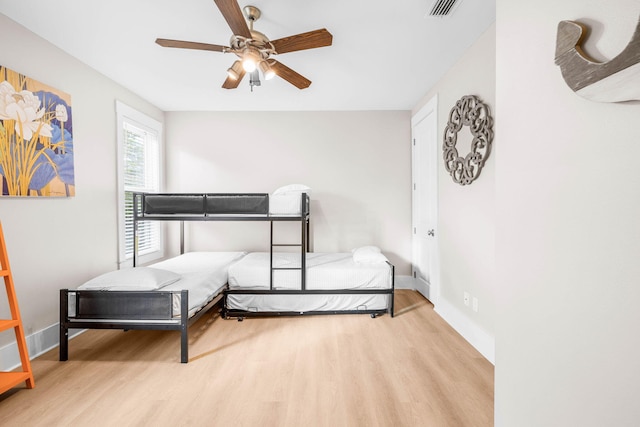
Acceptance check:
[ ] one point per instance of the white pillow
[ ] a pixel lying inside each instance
(132, 279)
(368, 254)
(292, 189)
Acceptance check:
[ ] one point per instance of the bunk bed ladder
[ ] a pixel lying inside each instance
(303, 259)
(303, 245)
(8, 380)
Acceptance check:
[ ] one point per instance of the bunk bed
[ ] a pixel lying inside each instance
(173, 305)
(173, 294)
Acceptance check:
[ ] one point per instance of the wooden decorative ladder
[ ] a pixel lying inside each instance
(9, 380)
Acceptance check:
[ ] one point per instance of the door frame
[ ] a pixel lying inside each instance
(432, 290)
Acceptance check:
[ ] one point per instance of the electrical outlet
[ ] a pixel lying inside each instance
(466, 299)
(475, 304)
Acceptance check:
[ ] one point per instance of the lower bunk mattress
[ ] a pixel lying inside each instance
(203, 274)
(337, 272)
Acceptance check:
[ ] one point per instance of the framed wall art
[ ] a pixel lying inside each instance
(36, 138)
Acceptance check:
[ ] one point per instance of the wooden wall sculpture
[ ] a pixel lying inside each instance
(617, 80)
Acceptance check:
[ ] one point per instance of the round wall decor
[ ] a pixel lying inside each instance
(468, 111)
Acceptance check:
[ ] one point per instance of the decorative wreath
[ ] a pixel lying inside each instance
(468, 111)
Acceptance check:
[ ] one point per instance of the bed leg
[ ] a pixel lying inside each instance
(393, 290)
(184, 345)
(184, 326)
(391, 303)
(64, 331)
(223, 310)
(64, 343)
(391, 309)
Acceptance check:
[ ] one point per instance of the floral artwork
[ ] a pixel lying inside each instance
(36, 138)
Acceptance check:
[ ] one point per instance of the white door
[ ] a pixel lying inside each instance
(425, 196)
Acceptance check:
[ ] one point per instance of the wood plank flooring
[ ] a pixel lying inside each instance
(342, 370)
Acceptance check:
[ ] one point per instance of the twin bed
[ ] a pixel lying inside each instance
(336, 283)
(169, 295)
(172, 294)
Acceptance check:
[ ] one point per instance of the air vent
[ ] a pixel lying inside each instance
(443, 7)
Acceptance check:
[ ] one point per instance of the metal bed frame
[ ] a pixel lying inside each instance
(153, 310)
(241, 314)
(127, 310)
(220, 207)
(250, 207)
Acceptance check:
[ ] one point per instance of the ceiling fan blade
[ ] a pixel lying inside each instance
(289, 75)
(309, 40)
(230, 82)
(190, 45)
(234, 17)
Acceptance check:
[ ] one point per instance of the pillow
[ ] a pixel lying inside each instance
(292, 189)
(368, 254)
(132, 279)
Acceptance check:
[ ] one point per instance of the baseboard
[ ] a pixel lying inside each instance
(37, 343)
(476, 336)
(408, 282)
(422, 287)
(404, 282)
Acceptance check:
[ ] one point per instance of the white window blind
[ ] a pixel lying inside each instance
(140, 160)
(141, 174)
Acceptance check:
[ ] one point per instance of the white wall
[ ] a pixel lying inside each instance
(466, 214)
(568, 226)
(60, 243)
(358, 165)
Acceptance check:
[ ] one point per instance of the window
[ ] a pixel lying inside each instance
(139, 170)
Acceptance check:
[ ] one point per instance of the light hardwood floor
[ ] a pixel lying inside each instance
(343, 370)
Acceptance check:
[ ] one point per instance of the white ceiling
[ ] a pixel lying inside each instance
(385, 55)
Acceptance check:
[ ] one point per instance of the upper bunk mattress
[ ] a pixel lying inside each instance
(324, 271)
(288, 200)
(285, 204)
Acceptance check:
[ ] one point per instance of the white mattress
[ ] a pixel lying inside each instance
(284, 204)
(307, 303)
(324, 271)
(203, 274)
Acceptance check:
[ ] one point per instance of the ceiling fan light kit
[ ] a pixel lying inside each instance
(254, 49)
(235, 70)
(267, 71)
(250, 58)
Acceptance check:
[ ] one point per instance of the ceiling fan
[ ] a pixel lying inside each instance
(254, 49)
